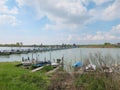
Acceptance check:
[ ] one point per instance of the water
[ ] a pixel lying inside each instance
(15, 48)
(70, 55)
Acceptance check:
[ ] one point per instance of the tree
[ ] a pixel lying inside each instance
(21, 43)
(17, 44)
(107, 43)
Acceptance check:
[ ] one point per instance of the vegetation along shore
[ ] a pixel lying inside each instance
(13, 76)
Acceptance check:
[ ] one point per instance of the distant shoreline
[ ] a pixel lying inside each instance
(99, 46)
(79, 46)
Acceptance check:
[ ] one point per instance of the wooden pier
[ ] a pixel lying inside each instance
(30, 50)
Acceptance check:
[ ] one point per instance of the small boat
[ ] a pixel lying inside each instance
(78, 64)
(90, 67)
(54, 64)
(37, 65)
(27, 63)
(41, 63)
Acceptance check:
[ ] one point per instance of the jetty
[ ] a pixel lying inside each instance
(22, 50)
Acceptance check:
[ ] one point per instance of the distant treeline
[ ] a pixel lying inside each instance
(100, 46)
(105, 45)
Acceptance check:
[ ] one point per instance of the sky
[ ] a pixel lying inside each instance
(59, 21)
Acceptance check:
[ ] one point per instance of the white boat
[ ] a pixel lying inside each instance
(90, 67)
(26, 63)
(54, 64)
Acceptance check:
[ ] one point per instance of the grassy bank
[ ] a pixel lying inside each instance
(96, 81)
(86, 81)
(17, 78)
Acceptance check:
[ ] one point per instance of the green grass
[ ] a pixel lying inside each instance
(46, 69)
(17, 78)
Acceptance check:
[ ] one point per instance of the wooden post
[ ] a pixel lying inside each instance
(62, 63)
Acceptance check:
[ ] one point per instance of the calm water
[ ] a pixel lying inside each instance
(70, 55)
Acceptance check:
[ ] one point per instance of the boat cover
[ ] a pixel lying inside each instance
(78, 64)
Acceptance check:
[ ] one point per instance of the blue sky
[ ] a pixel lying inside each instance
(59, 21)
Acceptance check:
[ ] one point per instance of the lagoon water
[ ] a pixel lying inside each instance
(70, 55)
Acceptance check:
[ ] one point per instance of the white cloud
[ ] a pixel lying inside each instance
(70, 37)
(5, 10)
(8, 19)
(109, 12)
(100, 2)
(100, 36)
(112, 11)
(20, 2)
(110, 36)
(66, 13)
(97, 2)
(2, 2)
(25, 2)
(116, 29)
(14, 10)
(71, 13)
(7, 16)
(113, 34)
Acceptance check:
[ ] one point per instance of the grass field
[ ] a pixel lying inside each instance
(17, 78)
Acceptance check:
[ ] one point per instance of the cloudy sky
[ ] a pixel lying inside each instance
(59, 21)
